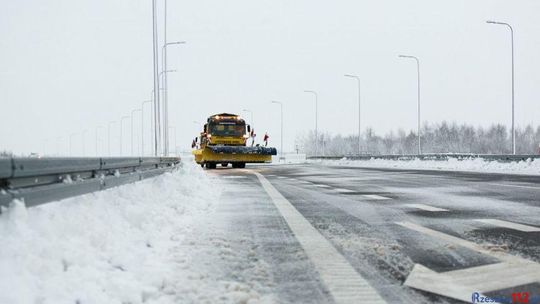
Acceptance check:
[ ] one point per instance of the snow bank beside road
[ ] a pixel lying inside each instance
(116, 246)
(471, 165)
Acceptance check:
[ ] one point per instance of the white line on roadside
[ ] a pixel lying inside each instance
(509, 225)
(426, 207)
(281, 177)
(375, 197)
(344, 283)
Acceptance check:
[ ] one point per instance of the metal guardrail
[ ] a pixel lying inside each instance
(41, 180)
(433, 156)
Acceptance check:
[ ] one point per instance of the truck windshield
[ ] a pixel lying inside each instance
(227, 129)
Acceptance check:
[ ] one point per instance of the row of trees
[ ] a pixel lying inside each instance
(436, 138)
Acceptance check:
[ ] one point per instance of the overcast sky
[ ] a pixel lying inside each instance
(69, 66)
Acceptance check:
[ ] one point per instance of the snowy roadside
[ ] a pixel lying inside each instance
(122, 245)
(530, 167)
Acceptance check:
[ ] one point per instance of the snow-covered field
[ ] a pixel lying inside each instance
(470, 165)
(130, 244)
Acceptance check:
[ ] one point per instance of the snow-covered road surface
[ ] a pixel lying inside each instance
(222, 236)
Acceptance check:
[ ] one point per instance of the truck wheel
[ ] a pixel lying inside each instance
(241, 165)
(225, 165)
(210, 165)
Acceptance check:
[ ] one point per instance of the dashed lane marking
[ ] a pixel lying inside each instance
(515, 186)
(343, 282)
(509, 225)
(281, 177)
(341, 190)
(322, 186)
(426, 207)
(375, 197)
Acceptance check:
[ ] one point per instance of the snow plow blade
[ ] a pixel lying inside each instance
(234, 155)
(243, 150)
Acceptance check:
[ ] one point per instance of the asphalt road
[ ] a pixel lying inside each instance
(318, 234)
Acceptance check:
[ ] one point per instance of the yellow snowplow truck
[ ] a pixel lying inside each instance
(224, 141)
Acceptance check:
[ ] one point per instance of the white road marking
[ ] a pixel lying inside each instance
(281, 177)
(322, 186)
(344, 283)
(460, 242)
(460, 284)
(515, 186)
(341, 190)
(375, 197)
(426, 207)
(509, 225)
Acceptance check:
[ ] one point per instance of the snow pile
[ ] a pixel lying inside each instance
(122, 245)
(473, 165)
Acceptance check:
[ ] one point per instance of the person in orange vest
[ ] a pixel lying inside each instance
(265, 139)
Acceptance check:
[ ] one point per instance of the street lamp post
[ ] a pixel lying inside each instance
(281, 134)
(133, 112)
(164, 114)
(84, 142)
(70, 143)
(121, 123)
(174, 132)
(316, 120)
(157, 122)
(513, 82)
(142, 125)
(165, 83)
(109, 136)
(359, 120)
(58, 139)
(97, 128)
(418, 83)
(155, 94)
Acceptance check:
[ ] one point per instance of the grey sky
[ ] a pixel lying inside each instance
(68, 66)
